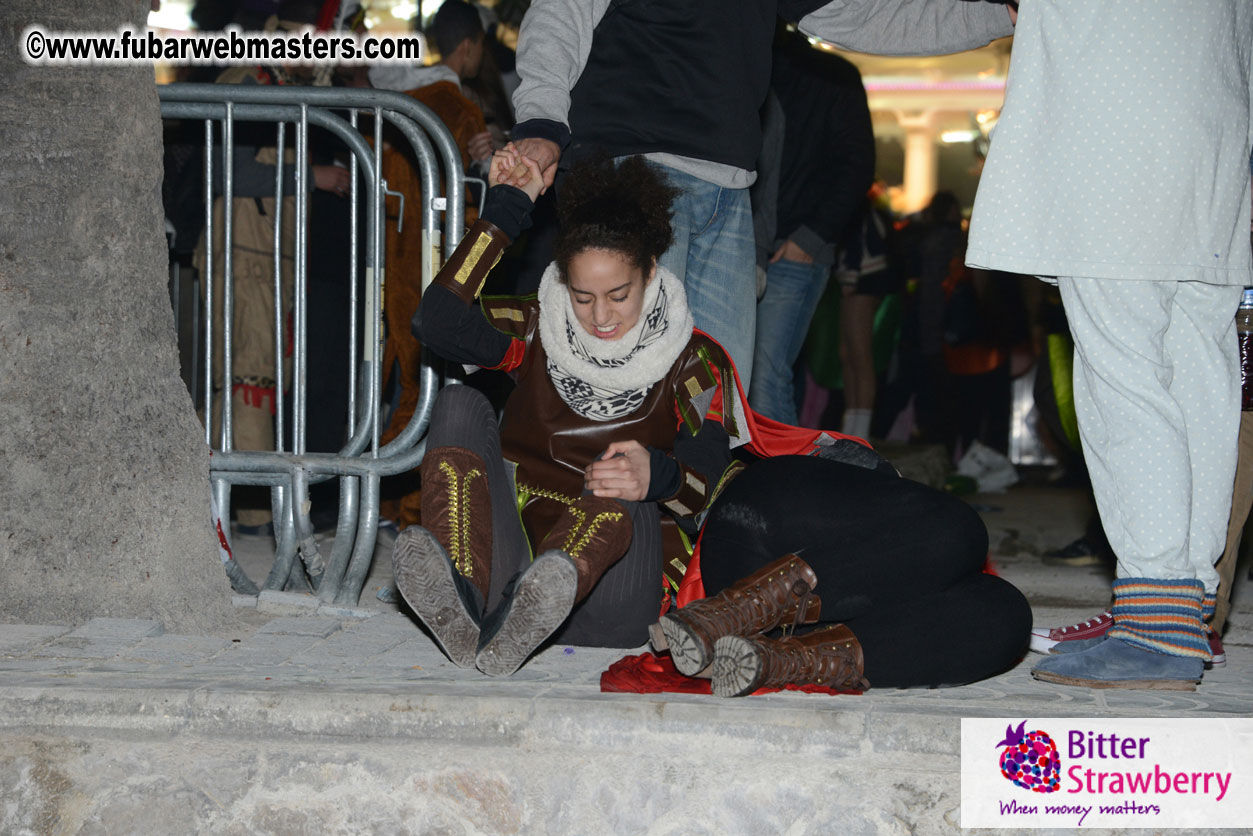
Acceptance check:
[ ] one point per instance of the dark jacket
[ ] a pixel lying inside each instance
(828, 146)
(682, 78)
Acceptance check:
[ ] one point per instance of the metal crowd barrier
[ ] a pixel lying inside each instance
(290, 468)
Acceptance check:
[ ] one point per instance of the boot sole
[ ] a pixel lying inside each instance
(1127, 684)
(737, 667)
(424, 576)
(688, 652)
(657, 638)
(541, 601)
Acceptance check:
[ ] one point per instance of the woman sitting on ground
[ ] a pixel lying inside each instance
(622, 410)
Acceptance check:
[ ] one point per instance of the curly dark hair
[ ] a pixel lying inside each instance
(623, 207)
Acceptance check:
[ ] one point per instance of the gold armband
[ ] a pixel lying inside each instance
(692, 496)
(466, 270)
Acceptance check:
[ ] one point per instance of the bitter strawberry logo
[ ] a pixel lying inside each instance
(1030, 759)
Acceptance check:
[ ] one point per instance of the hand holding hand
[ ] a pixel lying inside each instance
(621, 472)
(544, 153)
(504, 171)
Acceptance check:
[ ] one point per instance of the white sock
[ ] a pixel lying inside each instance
(857, 422)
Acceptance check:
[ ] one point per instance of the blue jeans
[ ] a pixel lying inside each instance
(783, 314)
(713, 255)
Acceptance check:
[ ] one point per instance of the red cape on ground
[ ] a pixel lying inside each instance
(651, 674)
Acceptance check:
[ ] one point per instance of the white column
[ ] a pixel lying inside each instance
(922, 157)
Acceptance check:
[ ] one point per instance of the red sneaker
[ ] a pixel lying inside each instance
(1216, 650)
(1044, 638)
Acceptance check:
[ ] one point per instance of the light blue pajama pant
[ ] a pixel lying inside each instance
(1157, 393)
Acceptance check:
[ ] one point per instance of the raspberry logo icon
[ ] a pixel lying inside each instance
(1030, 759)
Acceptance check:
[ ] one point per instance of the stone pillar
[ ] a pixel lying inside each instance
(921, 158)
(104, 490)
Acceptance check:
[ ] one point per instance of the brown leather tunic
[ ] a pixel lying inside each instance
(551, 444)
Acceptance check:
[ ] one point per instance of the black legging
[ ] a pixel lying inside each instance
(627, 599)
(896, 561)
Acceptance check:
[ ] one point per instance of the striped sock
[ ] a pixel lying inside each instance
(1160, 615)
(1209, 604)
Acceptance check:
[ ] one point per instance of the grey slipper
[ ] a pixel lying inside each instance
(1114, 663)
(447, 603)
(542, 598)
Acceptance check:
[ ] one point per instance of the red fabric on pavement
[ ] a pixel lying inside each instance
(648, 673)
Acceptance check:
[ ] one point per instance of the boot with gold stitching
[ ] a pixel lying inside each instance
(595, 533)
(457, 509)
(590, 536)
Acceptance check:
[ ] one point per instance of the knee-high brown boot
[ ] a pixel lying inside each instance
(780, 593)
(590, 536)
(457, 509)
(442, 568)
(829, 656)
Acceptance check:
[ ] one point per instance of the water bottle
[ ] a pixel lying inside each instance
(1244, 332)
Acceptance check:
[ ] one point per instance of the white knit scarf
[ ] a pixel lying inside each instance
(603, 380)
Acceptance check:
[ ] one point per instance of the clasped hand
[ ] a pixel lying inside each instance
(505, 168)
(621, 472)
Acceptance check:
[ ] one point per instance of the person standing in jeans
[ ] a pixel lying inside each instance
(681, 84)
(826, 166)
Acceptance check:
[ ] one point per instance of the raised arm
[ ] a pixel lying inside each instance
(553, 45)
(447, 320)
(908, 27)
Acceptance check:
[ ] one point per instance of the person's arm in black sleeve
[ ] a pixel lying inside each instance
(849, 157)
(685, 481)
(251, 178)
(447, 320)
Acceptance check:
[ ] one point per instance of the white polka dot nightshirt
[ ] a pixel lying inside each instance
(1120, 166)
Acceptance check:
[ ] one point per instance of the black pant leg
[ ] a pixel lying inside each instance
(898, 562)
(627, 599)
(976, 628)
(873, 540)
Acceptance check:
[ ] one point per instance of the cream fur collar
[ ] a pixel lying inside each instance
(639, 358)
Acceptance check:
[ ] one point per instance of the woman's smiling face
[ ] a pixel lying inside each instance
(607, 292)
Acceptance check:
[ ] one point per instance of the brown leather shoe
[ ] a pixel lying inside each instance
(595, 533)
(780, 593)
(457, 509)
(829, 656)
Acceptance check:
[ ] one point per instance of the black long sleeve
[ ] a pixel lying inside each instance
(509, 209)
(458, 331)
(251, 178)
(828, 144)
(708, 453)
